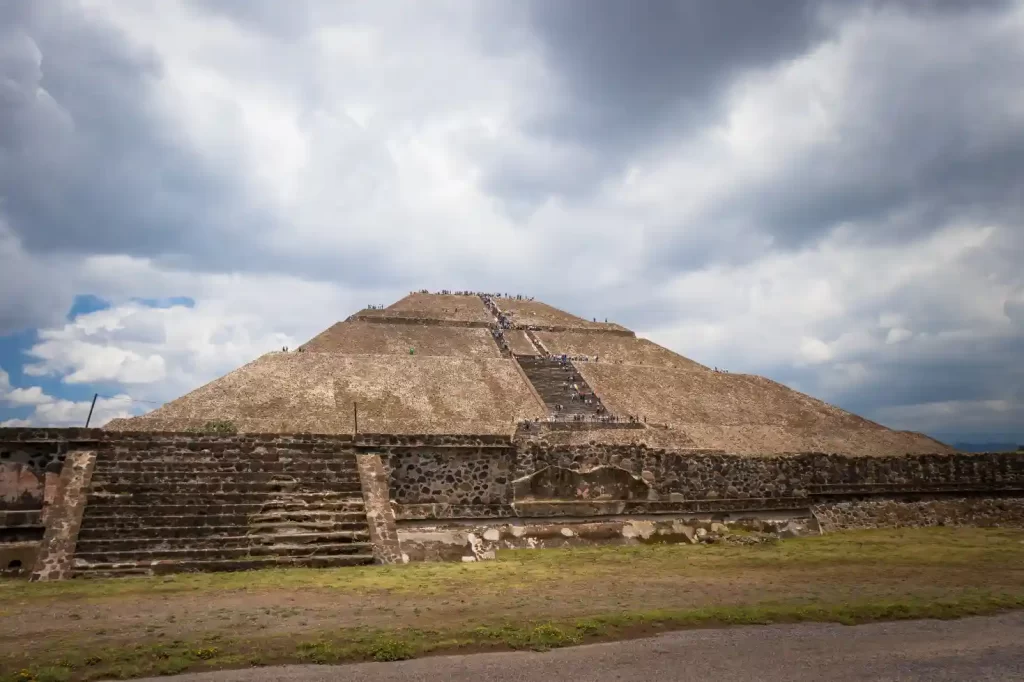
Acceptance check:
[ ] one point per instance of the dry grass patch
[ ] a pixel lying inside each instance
(533, 599)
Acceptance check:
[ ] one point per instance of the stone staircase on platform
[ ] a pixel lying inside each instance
(163, 512)
(549, 377)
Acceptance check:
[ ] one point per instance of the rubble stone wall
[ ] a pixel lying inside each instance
(53, 562)
(453, 477)
(712, 475)
(497, 477)
(24, 465)
(999, 512)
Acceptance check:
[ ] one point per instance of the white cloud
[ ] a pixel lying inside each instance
(814, 351)
(159, 351)
(48, 410)
(898, 334)
(27, 396)
(365, 150)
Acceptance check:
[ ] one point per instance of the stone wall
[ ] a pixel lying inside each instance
(385, 317)
(696, 474)
(494, 482)
(57, 550)
(451, 475)
(1006, 512)
(484, 470)
(24, 464)
(380, 517)
(462, 478)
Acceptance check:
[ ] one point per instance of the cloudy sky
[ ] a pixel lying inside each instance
(827, 193)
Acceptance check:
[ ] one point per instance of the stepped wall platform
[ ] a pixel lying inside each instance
(615, 349)
(133, 502)
(381, 338)
(525, 313)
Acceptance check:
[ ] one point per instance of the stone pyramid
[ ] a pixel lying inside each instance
(468, 363)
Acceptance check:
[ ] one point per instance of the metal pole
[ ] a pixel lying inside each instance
(91, 408)
(355, 418)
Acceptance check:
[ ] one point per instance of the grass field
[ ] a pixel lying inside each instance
(124, 628)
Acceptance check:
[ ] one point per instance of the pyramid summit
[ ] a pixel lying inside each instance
(477, 363)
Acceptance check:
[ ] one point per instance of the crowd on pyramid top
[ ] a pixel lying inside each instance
(481, 294)
(605, 418)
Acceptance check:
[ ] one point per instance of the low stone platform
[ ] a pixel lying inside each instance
(221, 510)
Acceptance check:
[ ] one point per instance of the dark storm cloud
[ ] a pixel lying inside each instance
(903, 374)
(627, 73)
(923, 139)
(626, 67)
(916, 131)
(87, 167)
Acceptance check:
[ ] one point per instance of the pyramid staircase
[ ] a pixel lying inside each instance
(155, 512)
(550, 378)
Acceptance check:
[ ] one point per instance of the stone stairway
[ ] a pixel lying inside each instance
(163, 512)
(549, 377)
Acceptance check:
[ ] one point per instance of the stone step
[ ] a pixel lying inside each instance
(211, 499)
(149, 511)
(167, 532)
(294, 466)
(172, 456)
(201, 487)
(13, 534)
(257, 539)
(20, 517)
(199, 524)
(84, 559)
(213, 476)
(549, 377)
(113, 570)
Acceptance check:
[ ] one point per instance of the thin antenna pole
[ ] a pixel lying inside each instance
(91, 408)
(355, 418)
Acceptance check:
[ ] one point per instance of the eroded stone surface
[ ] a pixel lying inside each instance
(506, 493)
(57, 551)
(480, 541)
(379, 516)
(599, 483)
(887, 513)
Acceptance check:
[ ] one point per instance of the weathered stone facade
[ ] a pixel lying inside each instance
(65, 519)
(494, 482)
(236, 496)
(452, 475)
(380, 517)
(24, 463)
(999, 512)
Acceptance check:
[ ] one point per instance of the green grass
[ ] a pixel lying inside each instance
(351, 645)
(525, 600)
(950, 547)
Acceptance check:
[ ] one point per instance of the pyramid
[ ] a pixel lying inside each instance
(469, 363)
